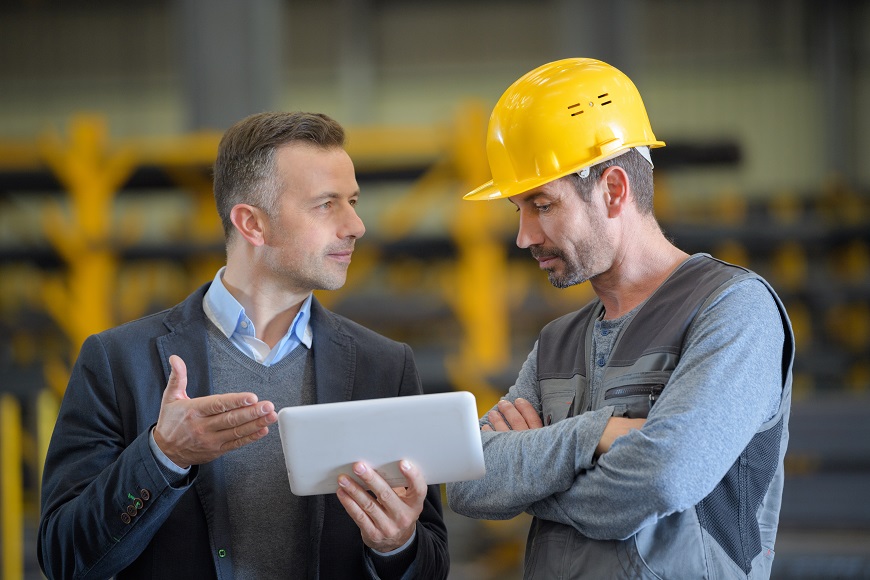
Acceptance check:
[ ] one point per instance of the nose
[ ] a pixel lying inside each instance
(529, 233)
(353, 224)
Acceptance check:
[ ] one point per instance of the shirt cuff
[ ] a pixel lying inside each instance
(397, 550)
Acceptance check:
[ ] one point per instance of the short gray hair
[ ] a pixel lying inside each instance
(640, 175)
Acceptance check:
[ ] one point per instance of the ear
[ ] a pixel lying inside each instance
(616, 190)
(250, 222)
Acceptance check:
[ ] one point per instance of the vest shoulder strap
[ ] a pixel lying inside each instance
(664, 319)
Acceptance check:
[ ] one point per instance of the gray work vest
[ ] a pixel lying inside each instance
(730, 533)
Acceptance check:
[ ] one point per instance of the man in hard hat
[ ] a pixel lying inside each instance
(646, 431)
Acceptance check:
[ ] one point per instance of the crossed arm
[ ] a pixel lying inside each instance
(522, 416)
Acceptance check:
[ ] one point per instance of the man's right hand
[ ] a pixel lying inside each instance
(195, 431)
(616, 427)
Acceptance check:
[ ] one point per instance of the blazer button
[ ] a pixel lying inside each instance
(125, 517)
(145, 494)
(132, 511)
(138, 503)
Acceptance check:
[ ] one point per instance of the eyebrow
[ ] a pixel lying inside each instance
(530, 199)
(333, 195)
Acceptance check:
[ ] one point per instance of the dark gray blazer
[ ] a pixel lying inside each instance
(108, 511)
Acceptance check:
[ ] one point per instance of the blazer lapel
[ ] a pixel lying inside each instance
(334, 356)
(188, 339)
(334, 369)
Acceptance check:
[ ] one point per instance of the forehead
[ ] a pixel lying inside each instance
(308, 169)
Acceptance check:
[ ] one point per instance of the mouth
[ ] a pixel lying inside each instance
(342, 256)
(547, 262)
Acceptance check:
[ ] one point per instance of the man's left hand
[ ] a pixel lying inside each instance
(517, 416)
(388, 515)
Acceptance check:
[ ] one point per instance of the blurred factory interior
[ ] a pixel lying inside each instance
(110, 114)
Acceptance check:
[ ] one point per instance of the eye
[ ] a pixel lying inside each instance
(543, 208)
(353, 202)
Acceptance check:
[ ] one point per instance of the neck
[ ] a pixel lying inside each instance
(636, 273)
(270, 305)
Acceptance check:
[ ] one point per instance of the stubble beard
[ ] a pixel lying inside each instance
(307, 273)
(574, 273)
(587, 259)
(581, 265)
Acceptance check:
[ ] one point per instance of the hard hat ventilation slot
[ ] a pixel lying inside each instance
(580, 112)
(605, 102)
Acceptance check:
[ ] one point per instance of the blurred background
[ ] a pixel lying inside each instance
(110, 115)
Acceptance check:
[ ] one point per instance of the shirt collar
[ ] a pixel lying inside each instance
(229, 316)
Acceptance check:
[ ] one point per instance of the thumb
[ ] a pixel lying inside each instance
(176, 388)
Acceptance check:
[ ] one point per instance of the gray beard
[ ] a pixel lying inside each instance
(570, 278)
(573, 274)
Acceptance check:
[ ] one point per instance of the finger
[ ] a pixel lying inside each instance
(386, 498)
(359, 515)
(529, 413)
(239, 442)
(226, 403)
(237, 427)
(512, 416)
(486, 428)
(497, 421)
(415, 491)
(365, 508)
(176, 387)
(243, 422)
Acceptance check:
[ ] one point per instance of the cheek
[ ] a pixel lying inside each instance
(560, 231)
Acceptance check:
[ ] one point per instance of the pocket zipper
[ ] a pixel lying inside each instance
(652, 390)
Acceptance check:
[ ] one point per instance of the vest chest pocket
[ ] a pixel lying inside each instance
(633, 401)
(557, 398)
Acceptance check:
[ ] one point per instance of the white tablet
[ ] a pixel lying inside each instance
(438, 433)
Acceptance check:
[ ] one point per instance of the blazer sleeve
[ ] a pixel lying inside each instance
(103, 495)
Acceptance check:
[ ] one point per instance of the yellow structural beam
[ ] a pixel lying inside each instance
(47, 408)
(91, 172)
(370, 147)
(11, 488)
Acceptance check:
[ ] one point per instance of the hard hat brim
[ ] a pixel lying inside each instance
(489, 190)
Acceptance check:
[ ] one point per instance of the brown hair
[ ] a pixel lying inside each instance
(244, 171)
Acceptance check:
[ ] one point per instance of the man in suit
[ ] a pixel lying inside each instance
(163, 463)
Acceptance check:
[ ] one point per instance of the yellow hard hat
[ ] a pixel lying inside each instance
(558, 119)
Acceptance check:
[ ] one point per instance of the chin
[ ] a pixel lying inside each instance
(333, 284)
(565, 281)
